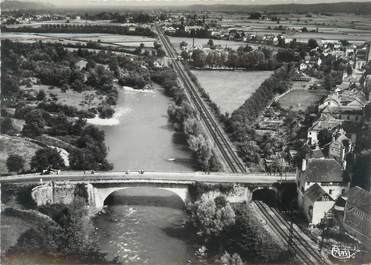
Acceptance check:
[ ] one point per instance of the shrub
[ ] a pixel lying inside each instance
(15, 163)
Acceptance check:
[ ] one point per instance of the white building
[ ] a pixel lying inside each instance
(320, 182)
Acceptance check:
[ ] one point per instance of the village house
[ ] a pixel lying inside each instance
(320, 182)
(346, 105)
(325, 122)
(357, 214)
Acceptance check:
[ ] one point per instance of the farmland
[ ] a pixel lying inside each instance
(229, 89)
(73, 38)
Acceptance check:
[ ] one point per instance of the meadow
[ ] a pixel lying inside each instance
(230, 89)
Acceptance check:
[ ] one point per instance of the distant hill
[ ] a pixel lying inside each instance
(16, 5)
(342, 7)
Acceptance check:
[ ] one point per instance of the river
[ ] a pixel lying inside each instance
(139, 136)
(145, 225)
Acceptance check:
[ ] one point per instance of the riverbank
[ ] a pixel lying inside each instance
(63, 98)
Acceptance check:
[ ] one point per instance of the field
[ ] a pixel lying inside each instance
(73, 38)
(229, 89)
(200, 42)
(11, 145)
(82, 101)
(333, 27)
(301, 99)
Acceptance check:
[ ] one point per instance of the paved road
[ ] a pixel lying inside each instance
(151, 176)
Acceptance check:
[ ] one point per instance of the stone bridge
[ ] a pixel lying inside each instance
(98, 186)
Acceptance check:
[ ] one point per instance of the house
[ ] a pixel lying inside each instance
(357, 214)
(320, 182)
(325, 122)
(340, 146)
(316, 203)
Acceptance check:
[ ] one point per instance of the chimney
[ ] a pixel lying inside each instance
(304, 164)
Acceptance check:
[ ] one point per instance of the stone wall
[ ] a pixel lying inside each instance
(51, 193)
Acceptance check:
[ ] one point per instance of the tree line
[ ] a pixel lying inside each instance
(82, 28)
(240, 124)
(244, 57)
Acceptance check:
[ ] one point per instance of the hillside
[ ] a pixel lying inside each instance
(16, 5)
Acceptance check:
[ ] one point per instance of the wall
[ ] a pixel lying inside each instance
(51, 193)
(319, 210)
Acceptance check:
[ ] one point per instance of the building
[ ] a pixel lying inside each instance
(316, 203)
(340, 146)
(357, 214)
(320, 182)
(325, 122)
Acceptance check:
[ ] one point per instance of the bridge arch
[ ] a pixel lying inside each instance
(268, 195)
(101, 194)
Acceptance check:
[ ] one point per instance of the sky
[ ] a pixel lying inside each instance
(181, 2)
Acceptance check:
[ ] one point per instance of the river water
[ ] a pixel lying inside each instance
(145, 225)
(139, 136)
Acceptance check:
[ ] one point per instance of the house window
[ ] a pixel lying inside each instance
(330, 191)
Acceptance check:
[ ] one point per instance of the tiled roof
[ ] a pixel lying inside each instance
(323, 170)
(326, 124)
(315, 192)
(360, 198)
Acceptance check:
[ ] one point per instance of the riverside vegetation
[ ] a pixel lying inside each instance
(59, 234)
(231, 232)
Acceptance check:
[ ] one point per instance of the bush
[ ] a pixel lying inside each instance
(7, 126)
(15, 163)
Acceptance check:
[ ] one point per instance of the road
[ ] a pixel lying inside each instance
(224, 147)
(257, 178)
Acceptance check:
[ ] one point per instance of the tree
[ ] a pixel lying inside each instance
(211, 44)
(183, 44)
(41, 95)
(349, 69)
(324, 137)
(184, 55)
(209, 219)
(47, 158)
(7, 126)
(312, 44)
(15, 163)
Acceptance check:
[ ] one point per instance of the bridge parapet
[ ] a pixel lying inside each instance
(98, 189)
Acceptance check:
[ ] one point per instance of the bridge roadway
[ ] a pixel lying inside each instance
(135, 176)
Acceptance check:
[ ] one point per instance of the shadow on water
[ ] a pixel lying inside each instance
(145, 197)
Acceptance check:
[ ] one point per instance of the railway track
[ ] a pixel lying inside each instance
(225, 147)
(303, 250)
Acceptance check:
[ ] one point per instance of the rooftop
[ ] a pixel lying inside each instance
(360, 198)
(315, 193)
(324, 170)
